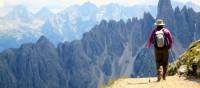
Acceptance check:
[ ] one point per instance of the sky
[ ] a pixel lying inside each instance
(34, 4)
(66, 3)
(60, 4)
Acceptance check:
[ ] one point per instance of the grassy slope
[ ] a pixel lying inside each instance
(189, 58)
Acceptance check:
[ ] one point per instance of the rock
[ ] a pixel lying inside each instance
(182, 70)
(188, 62)
(198, 71)
(165, 11)
(196, 60)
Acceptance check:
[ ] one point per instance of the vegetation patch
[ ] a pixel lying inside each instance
(190, 59)
(111, 82)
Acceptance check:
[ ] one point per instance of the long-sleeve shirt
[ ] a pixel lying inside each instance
(167, 35)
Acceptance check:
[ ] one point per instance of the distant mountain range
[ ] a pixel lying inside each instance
(22, 26)
(109, 50)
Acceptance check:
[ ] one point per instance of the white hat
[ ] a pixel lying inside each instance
(159, 22)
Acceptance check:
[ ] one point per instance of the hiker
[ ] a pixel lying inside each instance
(162, 40)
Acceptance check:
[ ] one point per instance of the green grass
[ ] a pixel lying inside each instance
(189, 58)
(111, 82)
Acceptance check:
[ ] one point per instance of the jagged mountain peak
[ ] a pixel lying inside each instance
(147, 15)
(164, 9)
(177, 9)
(165, 12)
(43, 41)
(109, 50)
(185, 8)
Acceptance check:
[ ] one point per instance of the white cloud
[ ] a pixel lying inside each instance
(197, 2)
(60, 4)
(183, 1)
(121, 2)
(66, 3)
(1, 3)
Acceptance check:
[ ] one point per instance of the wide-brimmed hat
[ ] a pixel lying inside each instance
(159, 22)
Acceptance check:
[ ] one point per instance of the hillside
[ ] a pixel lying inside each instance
(188, 63)
(187, 77)
(109, 50)
(171, 82)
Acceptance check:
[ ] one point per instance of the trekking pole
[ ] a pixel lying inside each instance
(172, 55)
(149, 77)
(195, 37)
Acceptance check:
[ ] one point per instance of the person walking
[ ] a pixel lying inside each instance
(162, 40)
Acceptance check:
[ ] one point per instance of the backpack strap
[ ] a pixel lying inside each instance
(165, 37)
(154, 38)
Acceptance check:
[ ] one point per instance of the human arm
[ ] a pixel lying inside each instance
(150, 40)
(170, 39)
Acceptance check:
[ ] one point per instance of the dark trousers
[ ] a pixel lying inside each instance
(161, 55)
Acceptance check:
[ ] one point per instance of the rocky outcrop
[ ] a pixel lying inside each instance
(107, 51)
(188, 64)
(165, 11)
(110, 50)
(32, 66)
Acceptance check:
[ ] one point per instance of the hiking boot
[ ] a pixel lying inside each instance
(164, 78)
(158, 80)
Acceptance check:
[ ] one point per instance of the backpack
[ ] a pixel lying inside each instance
(160, 39)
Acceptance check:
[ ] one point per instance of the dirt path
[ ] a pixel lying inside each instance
(171, 82)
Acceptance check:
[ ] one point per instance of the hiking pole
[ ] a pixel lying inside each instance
(172, 55)
(149, 77)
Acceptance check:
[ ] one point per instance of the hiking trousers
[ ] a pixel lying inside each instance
(161, 57)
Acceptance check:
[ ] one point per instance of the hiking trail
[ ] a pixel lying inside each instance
(170, 82)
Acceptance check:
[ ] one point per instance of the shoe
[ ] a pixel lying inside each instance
(164, 78)
(158, 80)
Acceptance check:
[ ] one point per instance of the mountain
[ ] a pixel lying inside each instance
(67, 25)
(36, 67)
(22, 26)
(165, 12)
(111, 49)
(76, 62)
(19, 26)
